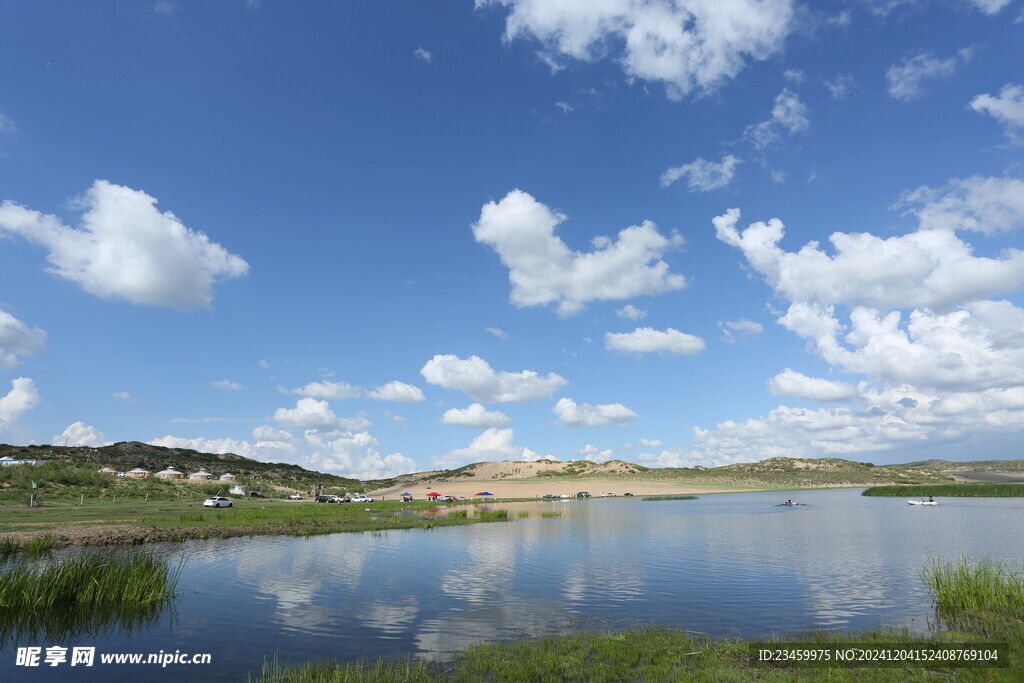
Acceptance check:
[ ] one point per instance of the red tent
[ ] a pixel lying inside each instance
(433, 495)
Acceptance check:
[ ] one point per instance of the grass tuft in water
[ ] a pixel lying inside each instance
(671, 498)
(39, 545)
(986, 597)
(494, 515)
(84, 592)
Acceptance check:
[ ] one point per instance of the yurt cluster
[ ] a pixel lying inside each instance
(169, 473)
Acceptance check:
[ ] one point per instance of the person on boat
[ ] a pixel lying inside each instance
(930, 499)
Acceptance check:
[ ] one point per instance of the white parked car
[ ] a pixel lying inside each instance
(607, 495)
(362, 499)
(217, 502)
(295, 496)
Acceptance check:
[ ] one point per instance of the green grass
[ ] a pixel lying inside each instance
(671, 498)
(85, 592)
(982, 490)
(654, 654)
(550, 514)
(176, 522)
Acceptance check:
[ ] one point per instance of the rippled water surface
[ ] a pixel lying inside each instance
(733, 565)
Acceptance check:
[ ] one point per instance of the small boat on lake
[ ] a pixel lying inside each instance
(921, 502)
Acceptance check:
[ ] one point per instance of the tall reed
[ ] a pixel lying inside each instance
(986, 597)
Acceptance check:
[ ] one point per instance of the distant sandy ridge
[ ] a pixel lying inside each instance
(535, 488)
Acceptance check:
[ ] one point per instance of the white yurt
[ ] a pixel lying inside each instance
(227, 477)
(169, 473)
(201, 474)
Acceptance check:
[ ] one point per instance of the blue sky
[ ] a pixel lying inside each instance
(372, 238)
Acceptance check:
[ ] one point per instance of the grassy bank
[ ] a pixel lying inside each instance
(87, 592)
(983, 490)
(132, 525)
(659, 654)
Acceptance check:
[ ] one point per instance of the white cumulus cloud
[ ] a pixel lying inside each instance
(686, 45)
(1007, 107)
(18, 339)
(543, 270)
(585, 415)
(22, 397)
(650, 340)
(494, 445)
(126, 248)
(310, 413)
(987, 205)
(792, 383)
(397, 391)
(227, 385)
(329, 390)
(475, 378)
(931, 268)
(475, 416)
(702, 175)
(594, 454)
(354, 455)
(976, 347)
(80, 434)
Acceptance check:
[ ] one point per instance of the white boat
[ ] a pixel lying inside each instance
(921, 502)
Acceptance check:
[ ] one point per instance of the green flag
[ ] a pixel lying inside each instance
(35, 485)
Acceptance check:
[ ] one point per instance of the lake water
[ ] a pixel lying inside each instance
(725, 565)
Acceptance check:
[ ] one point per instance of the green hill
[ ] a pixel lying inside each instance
(126, 455)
